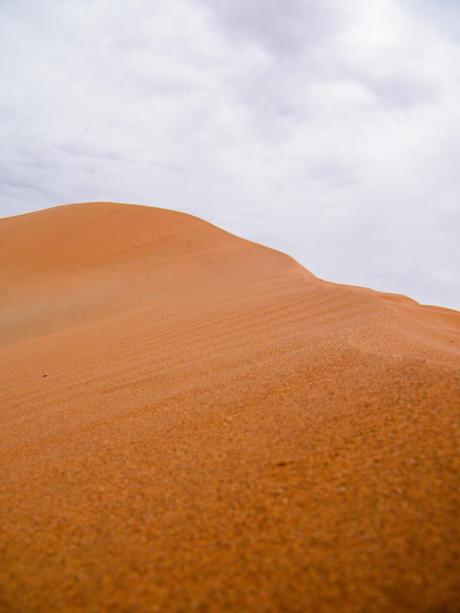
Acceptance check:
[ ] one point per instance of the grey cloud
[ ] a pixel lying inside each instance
(442, 14)
(403, 91)
(281, 27)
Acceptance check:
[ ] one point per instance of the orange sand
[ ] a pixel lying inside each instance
(191, 421)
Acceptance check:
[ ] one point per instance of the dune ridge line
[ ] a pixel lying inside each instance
(193, 421)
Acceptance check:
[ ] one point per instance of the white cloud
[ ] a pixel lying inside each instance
(329, 132)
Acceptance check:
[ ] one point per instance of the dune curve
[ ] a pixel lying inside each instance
(192, 421)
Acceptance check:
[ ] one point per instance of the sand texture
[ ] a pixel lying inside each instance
(193, 422)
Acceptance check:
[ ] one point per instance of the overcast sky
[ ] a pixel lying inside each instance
(329, 129)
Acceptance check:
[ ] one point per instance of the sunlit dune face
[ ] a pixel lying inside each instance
(191, 421)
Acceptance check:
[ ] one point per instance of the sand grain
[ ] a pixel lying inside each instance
(191, 421)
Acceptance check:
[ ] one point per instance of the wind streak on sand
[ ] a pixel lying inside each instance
(191, 420)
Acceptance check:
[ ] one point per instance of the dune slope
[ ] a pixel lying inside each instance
(191, 421)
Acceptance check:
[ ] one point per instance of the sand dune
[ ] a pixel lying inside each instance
(191, 421)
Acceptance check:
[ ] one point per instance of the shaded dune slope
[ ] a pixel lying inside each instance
(194, 421)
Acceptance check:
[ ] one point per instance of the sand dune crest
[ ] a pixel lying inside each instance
(194, 421)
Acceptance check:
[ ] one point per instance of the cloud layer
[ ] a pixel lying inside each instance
(330, 130)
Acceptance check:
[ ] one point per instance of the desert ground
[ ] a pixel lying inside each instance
(192, 421)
